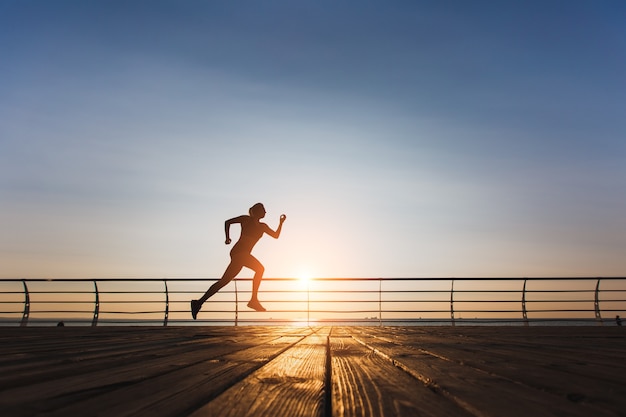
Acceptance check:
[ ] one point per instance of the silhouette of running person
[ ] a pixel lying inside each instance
(252, 229)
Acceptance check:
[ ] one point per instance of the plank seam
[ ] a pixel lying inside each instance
(477, 369)
(245, 375)
(428, 382)
(328, 404)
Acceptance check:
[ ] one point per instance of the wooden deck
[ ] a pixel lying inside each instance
(319, 371)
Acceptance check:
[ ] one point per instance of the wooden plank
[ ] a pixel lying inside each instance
(180, 391)
(366, 384)
(484, 391)
(85, 390)
(605, 345)
(67, 345)
(54, 368)
(565, 371)
(79, 355)
(543, 351)
(290, 385)
(76, 356)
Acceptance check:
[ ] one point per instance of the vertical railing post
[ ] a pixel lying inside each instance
(596, 304)
(452, 303)
(26, 305)
(167, 304)
(380, 302)
(236, 305)
(524, 313)
(96, 311)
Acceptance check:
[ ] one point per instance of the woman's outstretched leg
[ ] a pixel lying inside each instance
(258, 269)
(231, 272)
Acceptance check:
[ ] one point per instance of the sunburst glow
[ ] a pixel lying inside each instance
(304, 276)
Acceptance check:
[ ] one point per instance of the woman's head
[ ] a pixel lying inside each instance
(257, 211)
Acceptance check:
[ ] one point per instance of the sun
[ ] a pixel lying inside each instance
(304, 276)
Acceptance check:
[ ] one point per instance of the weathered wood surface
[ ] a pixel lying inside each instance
(313, 371)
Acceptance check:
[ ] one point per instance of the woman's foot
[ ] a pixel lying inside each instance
(255, 305)
(195, 308)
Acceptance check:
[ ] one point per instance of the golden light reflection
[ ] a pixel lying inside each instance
(303, 322)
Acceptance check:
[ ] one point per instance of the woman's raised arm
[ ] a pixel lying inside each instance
(275, 234)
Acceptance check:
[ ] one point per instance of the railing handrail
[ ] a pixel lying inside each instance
(321, 279)
(457, 297)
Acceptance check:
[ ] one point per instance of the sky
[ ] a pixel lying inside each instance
(400, 138)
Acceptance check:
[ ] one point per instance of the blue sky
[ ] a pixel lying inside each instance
(421, 138)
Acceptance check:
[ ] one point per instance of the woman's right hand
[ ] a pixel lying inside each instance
(228, 241)
(283, 218)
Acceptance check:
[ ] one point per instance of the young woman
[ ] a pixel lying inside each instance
(252, 229)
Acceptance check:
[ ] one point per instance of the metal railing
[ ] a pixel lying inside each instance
(356, 301)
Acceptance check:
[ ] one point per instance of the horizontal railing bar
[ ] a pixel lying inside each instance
(326, 319)
(316, 279)
(341, 291)
(329, 292)
(373, 311)
(317, 291)
(321, 301)
(459, 301)
(130, 312)
(314, 311)
(570, 301)
(91, 292)
(39, 302)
